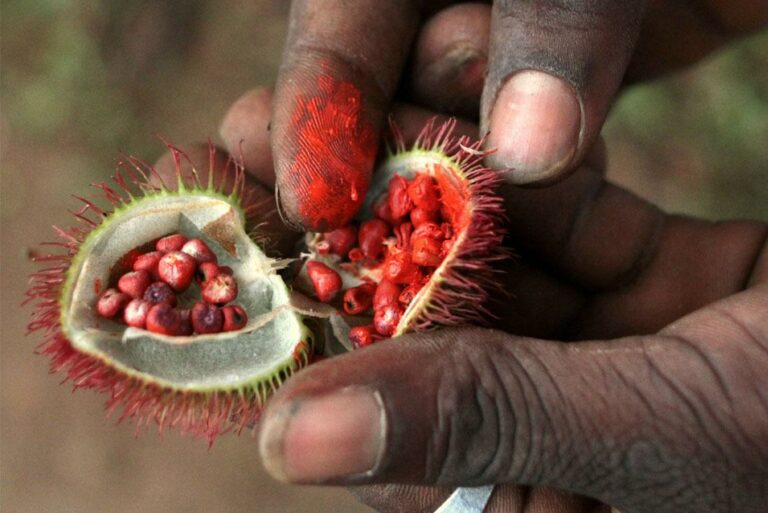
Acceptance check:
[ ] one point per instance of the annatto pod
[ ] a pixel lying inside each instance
(428, 235)
(205, 383)
(204, 327)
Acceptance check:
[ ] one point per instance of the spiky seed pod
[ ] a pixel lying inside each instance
(437, 269)
(204, 384)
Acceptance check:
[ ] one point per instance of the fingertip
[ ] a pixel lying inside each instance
(325, 137)
(451, 59)
(245, 132)
(535, 127)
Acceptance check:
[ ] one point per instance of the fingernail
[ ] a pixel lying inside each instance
(535, 126)
(316, 439)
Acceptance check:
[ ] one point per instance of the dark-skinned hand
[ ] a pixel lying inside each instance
(547, 71)
(632, 421)
(661, 405)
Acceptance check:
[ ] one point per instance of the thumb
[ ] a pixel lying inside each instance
(637, 423)
(554, 68)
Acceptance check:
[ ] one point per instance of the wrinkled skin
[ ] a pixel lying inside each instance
(660, 400)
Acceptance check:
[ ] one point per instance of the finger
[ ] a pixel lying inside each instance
(257, 200)
(245, 132)
(639, 423)
(450, 60)
(340, 68)
(554, 68)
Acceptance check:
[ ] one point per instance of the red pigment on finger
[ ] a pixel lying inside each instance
(335, 148)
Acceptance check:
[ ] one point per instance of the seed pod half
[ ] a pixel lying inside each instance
(446, 261)
(204, 384)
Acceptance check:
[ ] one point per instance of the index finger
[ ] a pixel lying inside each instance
(340, 68)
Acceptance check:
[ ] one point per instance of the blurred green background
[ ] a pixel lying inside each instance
(82, 81)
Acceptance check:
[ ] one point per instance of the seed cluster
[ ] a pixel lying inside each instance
(147, 296)
(406, 241)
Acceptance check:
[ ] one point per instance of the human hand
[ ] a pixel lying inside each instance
(562, 63)
(660, 406)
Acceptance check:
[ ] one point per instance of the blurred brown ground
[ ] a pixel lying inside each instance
(81, 82)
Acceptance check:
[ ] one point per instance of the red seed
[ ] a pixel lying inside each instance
(206, 318)
(420, 216)
(235, 318)
(160, 292)
(163, 318)
(382, 211)
(225, 269)
(359, 299)
(362, 336)
(355, 255)
(341, 240)
(403, 234)
(185, 328)
(220, 289)
(136, 313)
(400, 203)
(372, 235)
(111, 302)
(206, 271)
(387, 293)
(407, 295)
(427, 251)
(171, 243)
(322, 247)
(399, 268)
(446, 247)
(134, 283)
(199, 250)
(177, 269)
(431, 230)
(424, 193)
(148, 262)
(326, 281)
(385, 319)
(447, 230)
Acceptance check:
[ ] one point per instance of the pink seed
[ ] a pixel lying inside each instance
(371, 236)
(148, 262)
(177, 269)
(359, 299)
(205, 272)
(362, 336)
(111, 302)
(199, 251)
(387, 293)
(171, 243)
(136, 313)
(206, 318)
(163, 318)
(219, 290)
(160, 292)
(235, 318)
(386, 319)
(134, 283)
(341, 240)
(185, 328)
(325, 280)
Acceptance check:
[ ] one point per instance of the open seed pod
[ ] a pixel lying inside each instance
(121, 312)
(163, 300)
(421, 251)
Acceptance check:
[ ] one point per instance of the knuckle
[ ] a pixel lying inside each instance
(489, 416)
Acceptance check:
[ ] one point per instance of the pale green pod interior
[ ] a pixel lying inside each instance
(256, 356)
